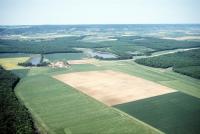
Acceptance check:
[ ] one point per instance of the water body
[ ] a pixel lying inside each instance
(92, 53)
(35, 60)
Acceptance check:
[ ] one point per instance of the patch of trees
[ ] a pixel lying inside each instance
(119, 57)
(58, 45)
(28, 64)
(159, 44)
(193, 71)
(187, 63)
(67, 45)
(14, 116)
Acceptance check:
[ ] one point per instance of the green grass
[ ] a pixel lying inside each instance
(59, 108)
(173, 113)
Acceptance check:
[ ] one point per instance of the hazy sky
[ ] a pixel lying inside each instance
(14, 12)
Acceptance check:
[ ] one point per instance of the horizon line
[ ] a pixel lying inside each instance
(100, 24)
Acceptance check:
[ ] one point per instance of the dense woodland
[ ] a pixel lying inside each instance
(187, 62)
(14, 117)
(159, 44)
(121, 47)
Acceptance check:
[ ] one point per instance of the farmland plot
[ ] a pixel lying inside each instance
(58, 108)
(112, 87)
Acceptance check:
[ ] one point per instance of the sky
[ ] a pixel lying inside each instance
(40, 12)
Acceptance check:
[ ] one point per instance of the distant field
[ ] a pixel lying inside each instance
(112, 87)
(58, 108)
(12, 63)
(173, 113)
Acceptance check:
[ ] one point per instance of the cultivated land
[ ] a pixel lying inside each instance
(12, 63)
(60, 108)
(173, 113)
(112, 87)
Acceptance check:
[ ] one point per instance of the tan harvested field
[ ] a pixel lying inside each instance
(112, 87)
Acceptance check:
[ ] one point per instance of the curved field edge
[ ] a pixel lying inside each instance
(59, 108)
(14, 116)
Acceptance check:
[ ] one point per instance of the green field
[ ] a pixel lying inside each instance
(58, 108)
(173, 113)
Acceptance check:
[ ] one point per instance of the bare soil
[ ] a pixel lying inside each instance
(112, 87)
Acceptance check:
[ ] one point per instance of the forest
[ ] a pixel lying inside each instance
(124, 47)
(14, 117)
(187, 62)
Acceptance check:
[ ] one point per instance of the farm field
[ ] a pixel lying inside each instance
(49, 100)
(58, 108)
(112, 87)
(173, 113)
(12, 63)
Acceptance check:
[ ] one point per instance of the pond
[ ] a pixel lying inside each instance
(35, 59)
(92, 53)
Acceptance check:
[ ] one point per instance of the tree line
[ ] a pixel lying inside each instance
(14, 116)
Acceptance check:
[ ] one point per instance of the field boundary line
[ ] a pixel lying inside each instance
(129, 116)
(121, 113)
(33, 114)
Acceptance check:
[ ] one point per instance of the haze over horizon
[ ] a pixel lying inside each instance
(41, 12)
